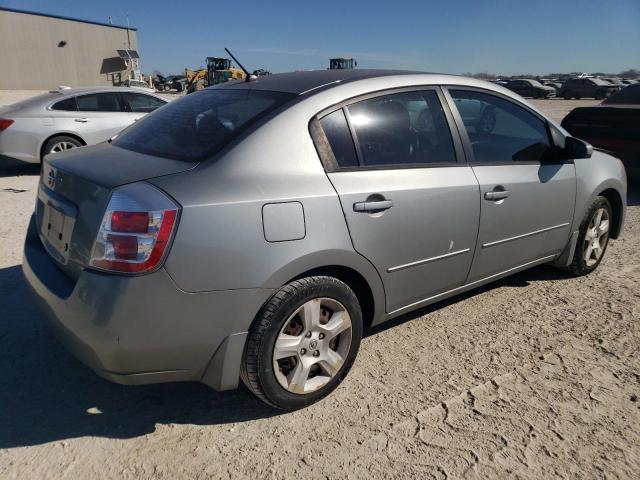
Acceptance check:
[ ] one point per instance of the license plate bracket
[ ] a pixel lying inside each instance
(55, 230)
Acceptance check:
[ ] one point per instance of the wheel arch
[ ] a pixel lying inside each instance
(348, 267)
(59, 134)
(617, 209)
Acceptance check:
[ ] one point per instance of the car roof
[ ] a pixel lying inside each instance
(306, 81)
(77, 90)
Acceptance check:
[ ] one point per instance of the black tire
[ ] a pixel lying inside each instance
(567, 95)
(600, 95)
(57, 140)
(257, 371)
(578, 266)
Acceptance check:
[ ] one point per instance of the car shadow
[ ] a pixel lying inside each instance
(47, 395)
(12, 168)
(522, 279)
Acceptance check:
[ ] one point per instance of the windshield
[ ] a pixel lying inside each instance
(200, 124)
(535, 83)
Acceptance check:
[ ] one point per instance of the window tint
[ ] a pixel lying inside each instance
(337, 132)
(100, 102)
(200, 124)
(401, 129)
(500, 130)
(68, 105)
(139, 102)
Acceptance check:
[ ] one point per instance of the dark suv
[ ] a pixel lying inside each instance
(530, 88)
(587, 88)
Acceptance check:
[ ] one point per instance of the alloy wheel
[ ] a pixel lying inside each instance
(596, 237)
(61, 147)
(312, 345)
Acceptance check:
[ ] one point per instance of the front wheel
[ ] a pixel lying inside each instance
(567, 95)
(593, 238)
(303, 342)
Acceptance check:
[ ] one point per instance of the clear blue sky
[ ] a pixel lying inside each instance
(453, 36)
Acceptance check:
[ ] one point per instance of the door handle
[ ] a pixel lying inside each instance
(82, 120)
(373, 206)
(497, 195)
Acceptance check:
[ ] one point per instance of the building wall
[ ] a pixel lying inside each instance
(31, 58)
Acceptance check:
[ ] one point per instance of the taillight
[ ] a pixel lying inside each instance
(136, 230)
(5, 123)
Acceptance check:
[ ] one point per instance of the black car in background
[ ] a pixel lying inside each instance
(171, 82)
(614, 125)
(587, 88)
(526, 87)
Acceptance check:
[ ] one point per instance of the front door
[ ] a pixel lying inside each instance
(410, 207)
(527, 197)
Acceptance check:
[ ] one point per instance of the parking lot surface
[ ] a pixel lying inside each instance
(535, 376)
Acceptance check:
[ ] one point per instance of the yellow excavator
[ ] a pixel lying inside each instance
(218, 70)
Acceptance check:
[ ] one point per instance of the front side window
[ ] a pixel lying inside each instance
(501, 131)
(198, 125)
(100, 102)
(402, 129)
(141, 103)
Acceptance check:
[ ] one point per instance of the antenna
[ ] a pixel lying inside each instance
(246, 72)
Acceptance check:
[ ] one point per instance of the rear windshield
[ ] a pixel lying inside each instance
(200, 124)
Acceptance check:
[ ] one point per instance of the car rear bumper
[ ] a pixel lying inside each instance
(143, 329)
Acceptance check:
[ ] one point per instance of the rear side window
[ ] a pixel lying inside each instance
(499, 130)
(336, 129)
(408, 128)
(200, 124)
(141, 103)
(100, 102)
(68, 105)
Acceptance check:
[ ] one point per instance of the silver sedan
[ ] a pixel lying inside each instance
(254, 229)
(70, 117)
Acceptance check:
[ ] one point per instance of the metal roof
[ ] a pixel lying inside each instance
(60, 17)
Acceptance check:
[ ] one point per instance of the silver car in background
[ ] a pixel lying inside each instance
(70, 117)
(253, 230)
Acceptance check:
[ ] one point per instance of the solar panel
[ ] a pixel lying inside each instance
(128, 54)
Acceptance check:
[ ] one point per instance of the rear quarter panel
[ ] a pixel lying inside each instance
(220, 243)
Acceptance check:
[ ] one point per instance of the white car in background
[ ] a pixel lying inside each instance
(70, 117)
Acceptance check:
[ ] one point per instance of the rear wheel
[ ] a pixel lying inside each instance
(60, 143)
(303, 342)
(567, 95)
(593, 238)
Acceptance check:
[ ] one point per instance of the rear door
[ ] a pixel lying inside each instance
(100, 116)
(527, 196)
(412, 209)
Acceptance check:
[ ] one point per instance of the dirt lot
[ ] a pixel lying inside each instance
(533, 377)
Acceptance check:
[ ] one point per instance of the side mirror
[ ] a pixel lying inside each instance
(574, 148)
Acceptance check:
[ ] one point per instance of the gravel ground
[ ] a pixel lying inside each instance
(536, 376)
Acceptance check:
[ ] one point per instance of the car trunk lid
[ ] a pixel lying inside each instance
(74, 191)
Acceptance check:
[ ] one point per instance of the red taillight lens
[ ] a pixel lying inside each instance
(125, 247)
(136, 230)
(5, 123)
(130, 222)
